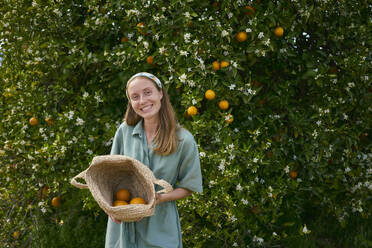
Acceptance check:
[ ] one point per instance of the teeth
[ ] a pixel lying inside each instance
(146, 108)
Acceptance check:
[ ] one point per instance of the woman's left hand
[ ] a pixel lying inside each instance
(159, 198)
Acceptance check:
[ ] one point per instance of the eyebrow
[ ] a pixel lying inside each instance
(147, 88)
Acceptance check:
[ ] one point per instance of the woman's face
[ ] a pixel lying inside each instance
(145, 98)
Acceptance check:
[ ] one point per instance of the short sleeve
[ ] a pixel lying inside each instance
(117, 142)
(189, 175)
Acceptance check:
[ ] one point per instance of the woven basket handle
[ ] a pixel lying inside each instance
(79, 185)
(166, 186)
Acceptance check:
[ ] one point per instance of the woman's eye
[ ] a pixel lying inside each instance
(134, 98)
(148, 92)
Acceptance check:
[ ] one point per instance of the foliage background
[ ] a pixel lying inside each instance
(300, 102)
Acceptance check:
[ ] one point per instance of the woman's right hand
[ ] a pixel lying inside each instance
(115, 220)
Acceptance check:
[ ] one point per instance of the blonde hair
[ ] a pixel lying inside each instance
(165, 140)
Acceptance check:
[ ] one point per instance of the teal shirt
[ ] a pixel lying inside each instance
(181, 169)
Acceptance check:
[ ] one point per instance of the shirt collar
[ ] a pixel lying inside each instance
(138, 129)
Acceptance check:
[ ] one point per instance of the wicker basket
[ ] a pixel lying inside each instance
(106, 174)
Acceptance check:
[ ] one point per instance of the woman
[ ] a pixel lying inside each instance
(150, 134)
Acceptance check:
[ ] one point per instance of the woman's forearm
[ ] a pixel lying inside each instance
(177, 194)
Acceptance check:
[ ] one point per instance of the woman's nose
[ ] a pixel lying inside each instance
(141, 99)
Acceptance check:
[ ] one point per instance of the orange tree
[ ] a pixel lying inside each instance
(286, 154)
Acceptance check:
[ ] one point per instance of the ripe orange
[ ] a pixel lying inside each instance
(120, 203)
(16, 234)
(49, 121)
(122, 195)
(254, 83)
(255, 210)
(279, 31)
(192, 110)
(137, 200)
(124, 39)
(332, 70)
(141, 28)
(293, 174)
(210, 95)
(241, 36)
(229, 119)
(150, 60)
(33, 121)
(249, 10)
(56, 201)
(224, 64)
(223, 104)
(216, 65)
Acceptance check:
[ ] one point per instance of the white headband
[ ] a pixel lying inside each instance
(144, 74)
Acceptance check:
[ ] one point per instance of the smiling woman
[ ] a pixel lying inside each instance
(150, 134)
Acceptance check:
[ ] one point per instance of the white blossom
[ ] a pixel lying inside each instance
(224, 33)
(232, 86)
(187, 37)
(258, 239)
(305, 230)
(162, 50)
(239, 187)
(233, 218)
(184, 53)
(146, 44)
(79, 121)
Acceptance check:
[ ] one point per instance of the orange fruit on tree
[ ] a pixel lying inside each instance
(224, 64)
(210, 95)
(150, 60)
(124, 39)
(229, 118)
(137, 200)
(293, 174)
(33, 121)
(120, 203)
(274, 196)
(279, 31)
(241, 36)
(255, 210)
(249, 10)
(192, 110)
(49, 121)
(216, 65)
(122, 195)
(16, 234)
(223, 104)
(56, 201)
(141, 28)
(255, 83)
